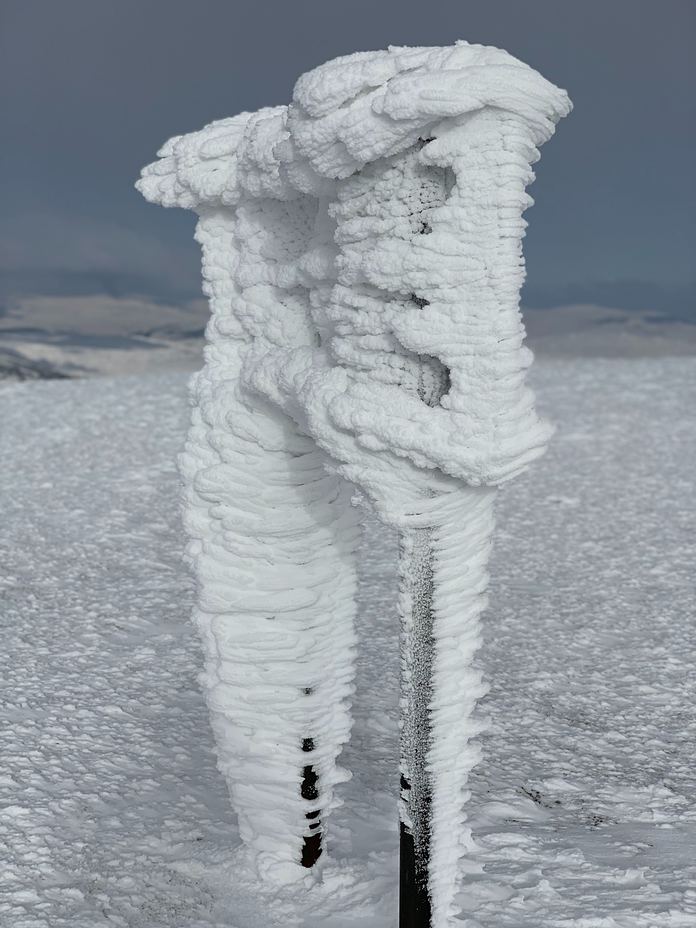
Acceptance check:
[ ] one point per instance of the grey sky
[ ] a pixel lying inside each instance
(89, 89)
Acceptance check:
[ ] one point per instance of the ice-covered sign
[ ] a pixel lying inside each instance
(362, 257)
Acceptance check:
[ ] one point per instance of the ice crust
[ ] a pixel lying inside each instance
(362, 255)
(273, 536)
(329, 187)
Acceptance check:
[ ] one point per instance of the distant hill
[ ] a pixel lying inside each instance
(80, 336)
(585, 330)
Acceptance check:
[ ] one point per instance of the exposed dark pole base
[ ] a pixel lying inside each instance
(417, 576)
(311, 848)
(414, 901)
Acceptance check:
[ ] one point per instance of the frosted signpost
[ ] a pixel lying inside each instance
(362, 257)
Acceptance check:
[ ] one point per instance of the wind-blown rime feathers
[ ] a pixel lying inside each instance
(272, 542)
(362, 255)
(339, 169)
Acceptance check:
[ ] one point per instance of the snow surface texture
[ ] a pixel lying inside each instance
(112, 812)
(362, 255)
(440, 687)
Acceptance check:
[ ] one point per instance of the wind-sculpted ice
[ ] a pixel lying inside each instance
(273, 534)
(362, 255)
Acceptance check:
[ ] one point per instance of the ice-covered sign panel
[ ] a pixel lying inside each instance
(362, 257)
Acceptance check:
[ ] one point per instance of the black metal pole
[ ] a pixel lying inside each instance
(311, 845)
(416, 576)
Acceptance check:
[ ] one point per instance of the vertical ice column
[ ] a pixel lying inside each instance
(442, 593)
(429, 273)
(391, 334)
(272, 543)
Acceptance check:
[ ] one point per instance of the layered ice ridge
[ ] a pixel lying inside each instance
(361, 140)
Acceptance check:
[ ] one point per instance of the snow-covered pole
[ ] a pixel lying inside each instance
(272, 534)
(445, 529)
(417, 586)
(367, 240)
(432, 151)
(440, 634)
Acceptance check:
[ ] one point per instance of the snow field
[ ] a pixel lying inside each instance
(583, 808)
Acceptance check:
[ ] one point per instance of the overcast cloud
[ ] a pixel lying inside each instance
(89, 89)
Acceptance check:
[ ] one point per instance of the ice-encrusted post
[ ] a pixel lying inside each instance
(416, 589)
(362, 252)
(440, 634)
(272, 534)
(432, 151)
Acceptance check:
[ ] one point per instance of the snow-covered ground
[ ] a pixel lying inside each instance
(112, 812)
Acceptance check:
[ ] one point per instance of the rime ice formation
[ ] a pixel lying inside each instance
(272, 532)
(362, 255)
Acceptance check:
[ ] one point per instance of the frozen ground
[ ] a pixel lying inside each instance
(111, 810)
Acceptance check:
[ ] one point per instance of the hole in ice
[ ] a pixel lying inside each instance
(434, 380)
(308, 744)
(426, 192)
(311, 850)
(308, 790)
